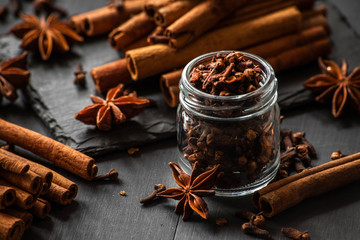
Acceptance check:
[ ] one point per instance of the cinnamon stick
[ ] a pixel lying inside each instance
(41, 208)
(318, 19)
(300, 55)
(23, 199)
(169, 85)
(151, 60)
(168, 14)
(11, 164)
(103, 20)
(7, 196)
(288, 42)
(19, 213)
(11, 228)
(58, 195)
(67, 184)
(133, 29)
(29, 181)
(110, 75)
(152, 6)
(311, 182)
(200, 19)
(56, 152)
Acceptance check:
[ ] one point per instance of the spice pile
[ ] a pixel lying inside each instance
(25, 186)
(159, 36)
(242, 148)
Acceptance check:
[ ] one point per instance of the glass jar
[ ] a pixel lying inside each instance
(239, 132)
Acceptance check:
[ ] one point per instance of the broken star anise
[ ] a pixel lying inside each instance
(120, 105)
(192, 189)
(13, 75)
(336, 84)
(45, 35)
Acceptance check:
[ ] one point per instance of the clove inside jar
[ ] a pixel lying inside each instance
(228, 121)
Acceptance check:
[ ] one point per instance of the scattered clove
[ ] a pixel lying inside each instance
(122, 193)
(257, 219)
(299, 138)
(157, 189)
(337, 155)
(133, 150)
(250, 228)
(112, 175)
(79, 75)
(221, 222)
(286, 139)
(295, 234)
(48, 7)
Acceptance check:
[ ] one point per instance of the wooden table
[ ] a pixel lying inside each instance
(100, 212)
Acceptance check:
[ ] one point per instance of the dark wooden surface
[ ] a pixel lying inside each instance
(100, 212)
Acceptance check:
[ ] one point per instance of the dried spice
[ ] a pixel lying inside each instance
(13, 75)
(334, 84)
(242, 148)
(192, 189)
(157, 189)
(251, 228)
(226, 75)
(79, 75)
(48, 7)
(221, 222)
(295, 234)
(45, 36)
(256, 219)
(122, 193)
(337, 154)
(298, 153)
(120, 105)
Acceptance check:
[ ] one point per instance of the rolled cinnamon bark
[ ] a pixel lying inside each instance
(58, 195)
(152, 6)
(110, 75)
(7, 196)
(288, 42)
(41, 208)
(255, 9)
(11, 228)
(300, 55)
(142, 42)
(133, 29)
(67, 184)
(166, 15)
(29, 181)
(56, 152)
(169, 85)
(158, 58)
(23, 199)
(311, 182)
(22, 214)
(103, 20)
(44, 172)
(318, 19)
(200, 19)
(11, 164)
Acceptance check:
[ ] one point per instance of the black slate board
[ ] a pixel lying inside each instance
(56, 99)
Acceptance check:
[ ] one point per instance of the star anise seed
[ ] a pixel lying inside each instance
(192, 189)
(119, 106)
(45, 35)
(335, 84)
(13, 75)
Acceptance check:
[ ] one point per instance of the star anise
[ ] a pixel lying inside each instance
(45, 35)
(120, 105)
(192, 189)
(13, 75)
(336, 84)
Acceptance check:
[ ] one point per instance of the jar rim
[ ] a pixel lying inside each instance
(269, 72)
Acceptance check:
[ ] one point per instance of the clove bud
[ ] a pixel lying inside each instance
(157, 189)
(295, 234)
